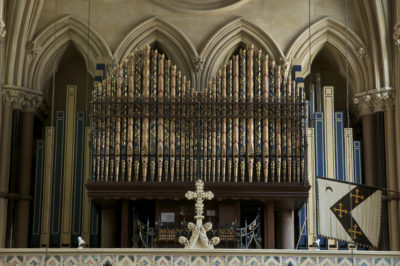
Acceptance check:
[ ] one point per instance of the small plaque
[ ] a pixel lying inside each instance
(167, 217)
(210, 212)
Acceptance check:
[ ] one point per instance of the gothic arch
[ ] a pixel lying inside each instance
(329, 31)
(68, 30)
(227, 38)
(171, 39)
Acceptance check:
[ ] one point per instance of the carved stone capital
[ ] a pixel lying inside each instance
(363, 105)
(374, 101)
(18, 98)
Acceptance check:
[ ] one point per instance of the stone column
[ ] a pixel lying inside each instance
(14, 98)
(5, 149)
(391, 178)
(366, 111)
(24, 179)
(285, 229)
(396, 82)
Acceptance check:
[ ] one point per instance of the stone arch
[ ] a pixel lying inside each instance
(69, 30)
(329, 31)
(171, 39)
(224, 41)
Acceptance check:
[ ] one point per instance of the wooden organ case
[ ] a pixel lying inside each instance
(153, 135)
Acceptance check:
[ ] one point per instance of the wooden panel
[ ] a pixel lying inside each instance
(229, 212)
(269, 225)
(125, 224)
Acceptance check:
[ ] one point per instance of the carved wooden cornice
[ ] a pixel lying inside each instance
(289, 196)
(374, 101)
(21, 98)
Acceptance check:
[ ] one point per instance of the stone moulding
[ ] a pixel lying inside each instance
(68, 256)
(196, 6)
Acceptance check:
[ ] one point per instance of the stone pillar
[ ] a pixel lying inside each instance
(5, 149)
(13, 98)
(109, 228)
(365, 107)
(285, 229)
(382, 100)
(392, 182)
(24, 180)
(269, 225)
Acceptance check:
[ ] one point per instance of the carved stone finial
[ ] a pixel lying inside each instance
(199, 231)
(198, 63)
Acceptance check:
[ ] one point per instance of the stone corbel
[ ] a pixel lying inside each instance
(3, 31)
(18, 98)
(198, 63)
(362, 52)
(32, 49)
(396, 35)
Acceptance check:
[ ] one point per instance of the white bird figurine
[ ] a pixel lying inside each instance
(81, 243)
(316, 244)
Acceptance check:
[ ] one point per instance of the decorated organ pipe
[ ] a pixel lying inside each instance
(150, 125)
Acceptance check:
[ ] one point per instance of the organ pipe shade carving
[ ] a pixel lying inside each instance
(150, 124)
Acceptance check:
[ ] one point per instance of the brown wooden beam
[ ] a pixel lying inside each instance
(269, 225)
(285, 195)
(125, 224)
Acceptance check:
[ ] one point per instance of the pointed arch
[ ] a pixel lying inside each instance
(69, 30)
(227, 38)
(328, 31)
(171, 39)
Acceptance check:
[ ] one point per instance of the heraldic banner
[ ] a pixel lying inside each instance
(349, 212)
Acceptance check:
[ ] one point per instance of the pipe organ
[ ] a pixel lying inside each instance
(150, 125)
(151, 134)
